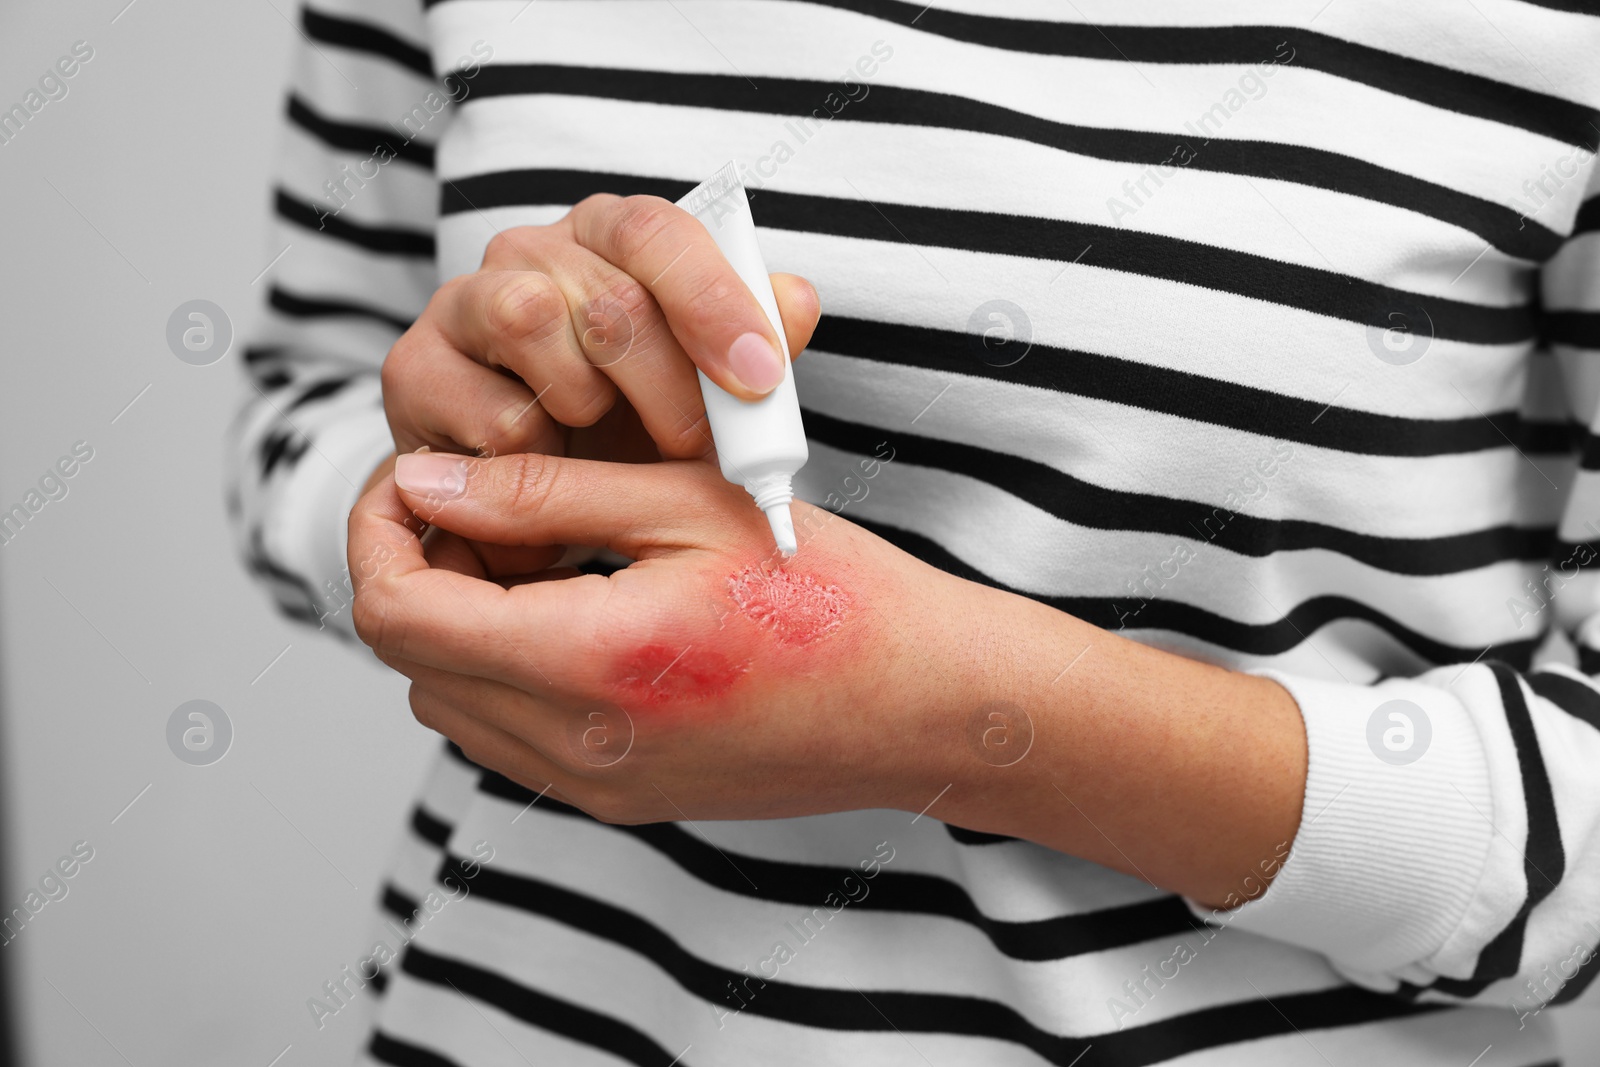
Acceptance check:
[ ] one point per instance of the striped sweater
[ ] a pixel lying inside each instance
(1266, 333)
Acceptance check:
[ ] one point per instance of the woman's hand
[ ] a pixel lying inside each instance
(707, 680)
(623, 295)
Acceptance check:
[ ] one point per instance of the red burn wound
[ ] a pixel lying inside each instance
(797, 608)
(659, 673)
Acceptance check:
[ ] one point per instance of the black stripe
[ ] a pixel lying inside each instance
(1575, 7)
(300, 365)
(1544, 860)
(265, 364)
(393, 240)
(262, 353)
(1588, 218)
(320, 391)
(1503, 227)
(562, 1017)
(354, 137)
(1570, 695)
(976, 837)
(291, 593)
(1256, 639)
(1310, 289)
(429, 827)
(305, 307)
(285, 446)
(386, 1049)
(397, 903)
(809, 886)
(365, 37)
(1429, 83)
(882, 1010)
(1192, 396)
(1581, 329)
(1092, 506)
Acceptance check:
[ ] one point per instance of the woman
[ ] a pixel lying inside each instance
(1199, 405)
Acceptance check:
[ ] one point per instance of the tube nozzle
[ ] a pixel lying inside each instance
(782, 524)
(772, 494)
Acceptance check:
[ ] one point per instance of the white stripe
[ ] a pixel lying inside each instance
(1279, 220)
(1099, 442)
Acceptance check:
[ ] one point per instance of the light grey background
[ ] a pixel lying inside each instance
(225, 895)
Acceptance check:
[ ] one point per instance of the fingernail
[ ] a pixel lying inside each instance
(754, 361)
(435, 475)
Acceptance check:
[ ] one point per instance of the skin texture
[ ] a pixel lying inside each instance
(797, 607)
(852, 676)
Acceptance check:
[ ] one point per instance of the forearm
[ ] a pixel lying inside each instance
(1182, 773)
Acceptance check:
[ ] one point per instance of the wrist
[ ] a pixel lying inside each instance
(1006, 738)
(979, 677)
(1178, 772)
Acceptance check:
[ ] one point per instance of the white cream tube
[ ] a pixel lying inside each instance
(761, 444)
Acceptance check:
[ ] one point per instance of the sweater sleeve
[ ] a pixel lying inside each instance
(355, 205)
(1449, 844)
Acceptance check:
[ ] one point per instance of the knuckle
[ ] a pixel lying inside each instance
(713, 302)
(635, 221)
(612, 319)
(398, 364)
(624, 303)
(506, 246)
(569, 763)
(370, 616)
(422, 707)
(528, 477)
(525, 307)
(513, 429)
(628, 297)
(447, 295)
(592, 404)
(595, 203)
(689, 437)
(610, 808)
(391, 376)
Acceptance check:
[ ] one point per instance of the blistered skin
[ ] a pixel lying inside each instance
(789, 611)
(797, 608)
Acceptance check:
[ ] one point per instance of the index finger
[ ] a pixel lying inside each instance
(407, 609)
(711, 311)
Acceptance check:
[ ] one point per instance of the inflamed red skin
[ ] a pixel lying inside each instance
(774, 613)
(665, 674)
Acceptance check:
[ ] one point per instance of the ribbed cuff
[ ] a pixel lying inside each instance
(306, 527)
(1393, 835)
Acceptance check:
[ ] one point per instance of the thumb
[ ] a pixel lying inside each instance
(799, 307)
